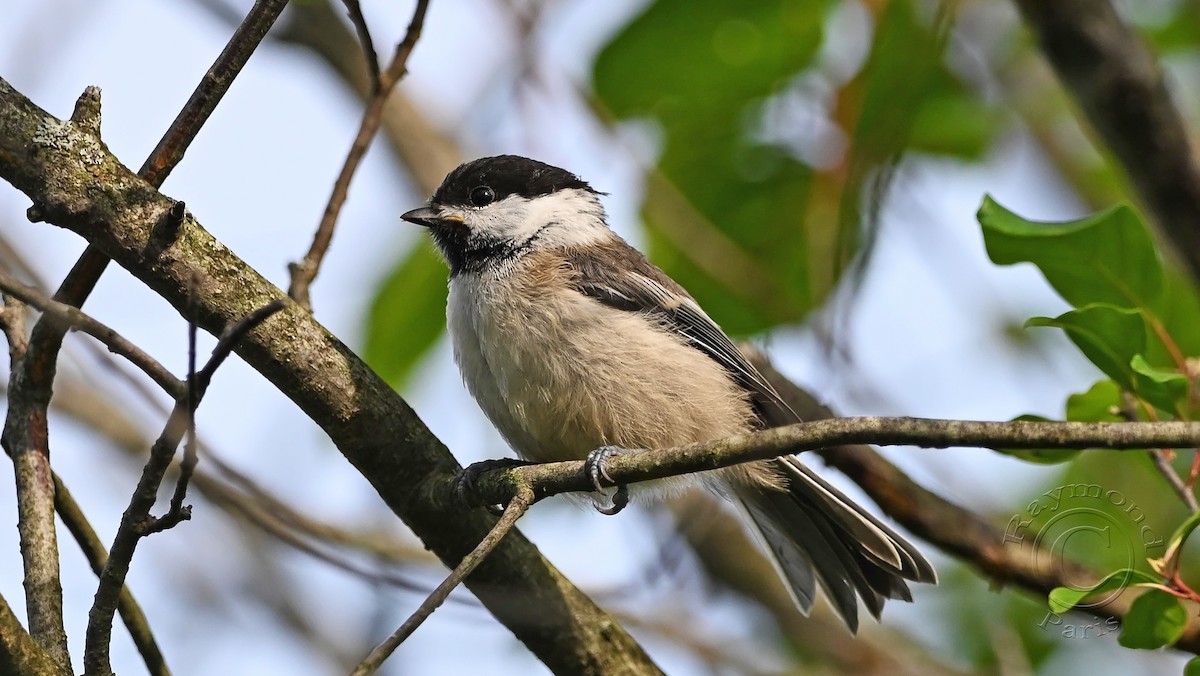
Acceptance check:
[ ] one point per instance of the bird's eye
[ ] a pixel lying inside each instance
(482, 196)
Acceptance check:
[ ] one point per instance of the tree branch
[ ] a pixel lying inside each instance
(25, 431)
(73, 317)
(93, 549)
(24, 440)
(305, 271)
(376, 431)
(515, 509)
(645, 465)
(425, 151)
(19, 653)
(1120, 87)
(136, 522)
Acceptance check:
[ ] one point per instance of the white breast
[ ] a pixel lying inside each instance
(560, 374)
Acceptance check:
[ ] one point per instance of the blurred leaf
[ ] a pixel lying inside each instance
(910, 101)
(727, 221)
(1180, 313)
(1062, 599)
(1192, 668)
(1167, 390)
(732, 213)
(1155, 619)
(1181, 32)
(1107, 258)
(408, 314)
(1108, 336)
(1175, 544)
(956, 123)
(1101, 403)
(1042, 456)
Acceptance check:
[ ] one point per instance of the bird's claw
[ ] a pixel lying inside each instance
(464, 486)
(596, 465)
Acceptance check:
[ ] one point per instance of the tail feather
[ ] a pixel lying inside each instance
(803, 568)
(913, 565)
(819, 536)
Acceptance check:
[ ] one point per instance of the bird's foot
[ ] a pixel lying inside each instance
(596, 466)
(464, 486)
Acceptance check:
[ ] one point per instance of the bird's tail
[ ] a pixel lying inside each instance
(818, 536)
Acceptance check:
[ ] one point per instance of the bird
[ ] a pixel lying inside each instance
(576, 346)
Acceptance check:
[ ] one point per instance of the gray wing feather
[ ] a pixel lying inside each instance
(638, 286)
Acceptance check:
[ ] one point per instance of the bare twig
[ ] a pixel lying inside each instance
(512, 512)
(136, 522)
(211, 90)
(74, 519)
(25, 429)
(242, 497)
(1163, 464)
(305, 271)
(364, 39)
(1120, 87)
(97, 555)
(427, 152)
(73, 317)
(644, 465)
(187, 466)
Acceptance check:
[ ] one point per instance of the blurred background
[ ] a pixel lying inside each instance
(809, 169)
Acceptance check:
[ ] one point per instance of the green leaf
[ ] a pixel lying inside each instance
(1101, 403)
(911, 100)
(726, 217)
(1108, 336)
(1192, 668)
(408, 314)
(1181, 314)
(1167, 390)
(1062, 599)
(1106, 258)
(1042, 456)
(733, 212)
(1155, 619)
(1175, 544)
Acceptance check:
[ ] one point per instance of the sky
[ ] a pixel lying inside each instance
(927, 335)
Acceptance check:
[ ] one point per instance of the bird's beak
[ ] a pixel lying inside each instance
(431, 217)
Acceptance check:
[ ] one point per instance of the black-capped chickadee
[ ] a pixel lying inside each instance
(571, 341)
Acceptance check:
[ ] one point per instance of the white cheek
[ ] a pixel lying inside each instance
(568, 218)
(574, 220)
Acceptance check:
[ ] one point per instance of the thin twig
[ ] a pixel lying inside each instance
(1177, 483)
(364, 39)
(187, 466)
(136, 522)
(644, 465)
(25, 429)
(73, 317)
(76, 522)
(516, 508)
(97, 555)
(305, 271)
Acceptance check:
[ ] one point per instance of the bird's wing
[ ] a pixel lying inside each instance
(638, 286)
